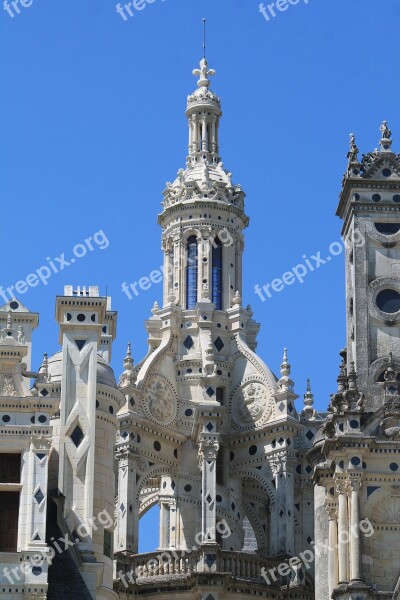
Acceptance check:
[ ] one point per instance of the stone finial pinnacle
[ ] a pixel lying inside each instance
(128, 360)
(352, 155)
(285, 366)
(386, 139)
(204, 73)
(308, 410)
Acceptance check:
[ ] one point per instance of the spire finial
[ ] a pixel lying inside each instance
(204, 37)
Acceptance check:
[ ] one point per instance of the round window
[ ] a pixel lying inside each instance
(388, 301)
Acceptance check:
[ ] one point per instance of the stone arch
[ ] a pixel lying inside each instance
(244, 474)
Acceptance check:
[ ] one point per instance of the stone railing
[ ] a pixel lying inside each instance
(184, 564)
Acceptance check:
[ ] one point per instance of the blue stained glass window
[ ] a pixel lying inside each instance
(191, 273)
(217, 275)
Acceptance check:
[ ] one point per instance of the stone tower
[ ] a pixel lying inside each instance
(357, 453)
(207, 432)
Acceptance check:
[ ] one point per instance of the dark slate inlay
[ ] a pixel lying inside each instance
(80, 344)
(77, 436)
(188, 343)
(371, 489)
(219, 344)
(210, 560)
(39, 496)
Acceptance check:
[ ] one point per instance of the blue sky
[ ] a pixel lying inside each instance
(92, 126)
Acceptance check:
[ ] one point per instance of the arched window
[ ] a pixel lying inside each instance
(217, 274)
(191, 273)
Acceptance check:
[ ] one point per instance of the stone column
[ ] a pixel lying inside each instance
(333, 550)
(204, 135)
(343, 532)
(126, 532)
(355, 538)
(278, 467)
(204, 267)
(208, 451)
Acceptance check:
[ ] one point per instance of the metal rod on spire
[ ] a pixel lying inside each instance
(204, 38)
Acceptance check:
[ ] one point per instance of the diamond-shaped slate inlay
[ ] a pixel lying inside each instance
(209, 426)
(39, 497)
(44, 393)
(309, 435)
(281, 406)
(188, 343)
(125, 435)
(80, 344)
(210, 560)
(122, 507)
(308, 469)
(209, 499)
(210, 392)
(219, 344)
(77, 436)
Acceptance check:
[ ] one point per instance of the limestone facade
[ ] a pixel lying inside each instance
(249, 487)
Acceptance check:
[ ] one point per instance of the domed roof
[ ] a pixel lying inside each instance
(105, 374)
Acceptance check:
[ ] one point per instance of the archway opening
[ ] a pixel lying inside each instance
(149, 530)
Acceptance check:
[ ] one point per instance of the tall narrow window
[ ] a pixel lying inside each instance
(191, 273)
(9, 511)
(217, 274)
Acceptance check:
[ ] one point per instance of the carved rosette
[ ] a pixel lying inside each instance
(250, 404)
(160, 400)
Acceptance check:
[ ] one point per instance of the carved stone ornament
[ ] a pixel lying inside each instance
(160, 404)
(250, 405)
(387, 511)
(7, 385)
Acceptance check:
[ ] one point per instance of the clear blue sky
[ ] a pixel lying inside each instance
(92, 126)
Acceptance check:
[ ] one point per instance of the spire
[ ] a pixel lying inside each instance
(308, 410)
(128, 360)
(386, 139)
(44, 369)
(128, 377)
(204, 38)
(285, 383)
(285, 366)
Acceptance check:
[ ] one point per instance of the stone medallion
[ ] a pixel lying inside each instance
(160, 403)
(250, 405)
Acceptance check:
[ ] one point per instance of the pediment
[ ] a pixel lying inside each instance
(384, 167)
